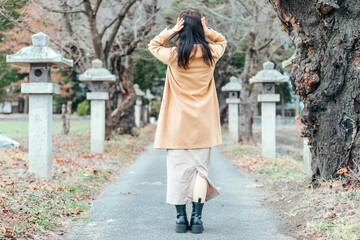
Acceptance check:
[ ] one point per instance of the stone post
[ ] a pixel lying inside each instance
(40, 57)
(234, 88)
(268, 77)
(97, 76)
(145, 114)
(307, 157)
(149, 96)
(138, 106)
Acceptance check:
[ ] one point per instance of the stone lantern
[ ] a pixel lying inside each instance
(138, 106)
(268, 77)
(40, 57)
(97, 75)
(233, 88)
(149, 96)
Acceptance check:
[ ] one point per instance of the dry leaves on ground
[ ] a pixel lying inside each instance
(37, 209)
(330, 211)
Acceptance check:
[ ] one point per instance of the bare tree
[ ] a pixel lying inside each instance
(251, 28)
(105, 29)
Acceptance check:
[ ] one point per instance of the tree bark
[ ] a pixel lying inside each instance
(245, 111)
(326, 76)
(122, 118)
(95, 37)
(222, 72)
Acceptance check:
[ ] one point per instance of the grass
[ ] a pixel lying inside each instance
(32, 208)
(248, 158)
(20, 129)
(329, 229)
(329, 212)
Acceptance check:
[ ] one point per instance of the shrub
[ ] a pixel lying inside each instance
(155, 108)
(83, 108)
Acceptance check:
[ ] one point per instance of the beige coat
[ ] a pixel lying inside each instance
(189, 114)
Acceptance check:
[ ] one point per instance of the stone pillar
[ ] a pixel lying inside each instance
(268, 123)
(145, 114)
(233, 88)
(97, 124)
(40, 132)
(138, 105)
(268, 77)
(233, 107)
(97, 76)
(40, 57)
(307, 157)
(149, 96)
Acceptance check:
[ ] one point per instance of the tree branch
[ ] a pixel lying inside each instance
(249, 12)
(115, 30)
(264, 46)
(95, 37)
(16, 23)
(61, 11)
(107, 26)
(98, 3)
(77, 5)
(140, 32)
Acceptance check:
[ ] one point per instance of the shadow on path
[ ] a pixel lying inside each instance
(134, 207)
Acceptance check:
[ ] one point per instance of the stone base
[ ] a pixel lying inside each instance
(97, 95)
(232, 100)
(40, 88)
(269, 98)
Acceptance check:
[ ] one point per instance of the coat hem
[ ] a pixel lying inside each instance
(187, 147)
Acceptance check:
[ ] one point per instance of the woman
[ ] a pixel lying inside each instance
(189, 120)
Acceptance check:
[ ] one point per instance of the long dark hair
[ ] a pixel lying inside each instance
(192, 33)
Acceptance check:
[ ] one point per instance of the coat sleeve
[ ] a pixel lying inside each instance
(218, 43)
(156, 46)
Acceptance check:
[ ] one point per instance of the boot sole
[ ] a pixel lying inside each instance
(197, 229)
(181, 228)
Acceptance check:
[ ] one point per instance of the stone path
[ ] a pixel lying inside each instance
(134, 207)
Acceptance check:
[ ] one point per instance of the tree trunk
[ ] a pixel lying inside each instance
(245, 111)
(221, 74)
(326, 76)
(122, 118)
(282, 105)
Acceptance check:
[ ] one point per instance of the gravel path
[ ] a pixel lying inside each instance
(134, 207)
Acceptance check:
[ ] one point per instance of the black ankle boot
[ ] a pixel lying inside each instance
(182, 224)
(196, 224)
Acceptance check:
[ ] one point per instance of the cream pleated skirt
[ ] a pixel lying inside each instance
(182, 166)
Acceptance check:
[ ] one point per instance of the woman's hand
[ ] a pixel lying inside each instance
(206, 29)
(178, 26)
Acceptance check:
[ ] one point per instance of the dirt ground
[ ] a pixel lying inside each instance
(328, 212)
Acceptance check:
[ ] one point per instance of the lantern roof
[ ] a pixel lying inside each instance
(149, 95)
(232, 86)
(97, 73)
(138, 91)
(268, 75)
(39, 52)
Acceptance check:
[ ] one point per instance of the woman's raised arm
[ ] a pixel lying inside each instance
(218, 40)
(156, 46)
